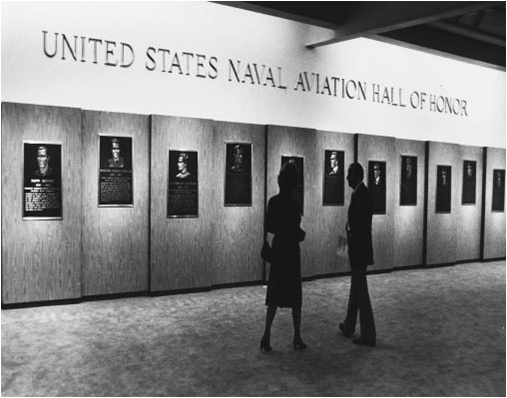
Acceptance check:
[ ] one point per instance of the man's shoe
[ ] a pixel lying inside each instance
(366, 343)
(344, 331)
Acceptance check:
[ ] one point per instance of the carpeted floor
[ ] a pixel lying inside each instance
(441, 332)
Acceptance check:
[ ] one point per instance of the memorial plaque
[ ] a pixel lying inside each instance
(42, 181)
(377, 185)
(183, 186)
(408, 183)
(115, 171)
(334, 173)
(299, 192)
(498, 190)
(443, 202)
(469, 182)
(238, 174)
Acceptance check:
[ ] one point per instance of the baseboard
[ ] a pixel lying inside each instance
(488, 260)
(179, 291)
(114, 296)
(237, 284)
(440, 265)
(44, 303)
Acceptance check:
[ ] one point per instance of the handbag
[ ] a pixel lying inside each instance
(266, 252)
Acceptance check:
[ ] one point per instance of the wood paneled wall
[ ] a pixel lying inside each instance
(182, 248)
(494, 222)
(442, 244)
(468, 217)
(408, 220)
(238, 230)
(115, 239)
(372, 148)
(41, 260)
(329, 222)
(290, 141)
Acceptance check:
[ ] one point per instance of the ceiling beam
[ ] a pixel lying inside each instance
(370, 18)
(467, 32)
(430, 40)
(303, 12)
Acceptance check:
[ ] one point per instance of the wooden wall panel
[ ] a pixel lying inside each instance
(382, 149)
(494, 222)
(115, 239)
(409, 220)
(41, 260)
(329, 221)
(441, 231)
(468, 217)
(182, 248)
(290, 141)
(239, 230)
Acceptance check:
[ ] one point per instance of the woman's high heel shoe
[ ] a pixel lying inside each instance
(299, 344)
(265, 345)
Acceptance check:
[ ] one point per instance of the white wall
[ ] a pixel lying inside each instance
(29, 76)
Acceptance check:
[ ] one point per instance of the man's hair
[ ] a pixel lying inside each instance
(184, 157)
(357, 170)
(43, 147)
(288, 177)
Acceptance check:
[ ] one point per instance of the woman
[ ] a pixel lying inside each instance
(284, 288)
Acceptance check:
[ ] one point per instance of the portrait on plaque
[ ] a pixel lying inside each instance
(238, 174)
(333, 193)
(408, 184)
(443, 202)
(498, 190)
(183, 184)
(469, 182)
(115, 171)
(42, 181)
(377, 185)
(299, 192)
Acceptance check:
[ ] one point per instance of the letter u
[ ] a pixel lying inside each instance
(44, 32)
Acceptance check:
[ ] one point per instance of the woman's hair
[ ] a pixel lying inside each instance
(288, 177)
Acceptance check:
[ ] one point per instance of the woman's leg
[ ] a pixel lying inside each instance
(296, 319)
(270, 316)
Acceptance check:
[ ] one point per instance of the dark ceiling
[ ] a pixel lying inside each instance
(474, 30)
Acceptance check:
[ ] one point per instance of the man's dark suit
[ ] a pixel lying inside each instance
(361, 255)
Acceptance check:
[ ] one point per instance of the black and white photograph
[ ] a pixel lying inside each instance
(469, 182)
(238, 174)
(408, 184)
(183, 184)
(377, 185)
(333, 179)
(42, 181)
(498, 202)
(253, 199)
(444, 189)
(299, 191)
(116, 177)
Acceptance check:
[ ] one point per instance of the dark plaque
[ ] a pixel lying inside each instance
(299, 192)
(469, 181)
(115, 173)
(408, 184)
(333, 178)
(377, 185)
(498, 190)
(182, 194)
(42, 188)
(238, 174)
(444, 189)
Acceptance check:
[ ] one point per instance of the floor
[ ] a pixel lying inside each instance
(441, 332)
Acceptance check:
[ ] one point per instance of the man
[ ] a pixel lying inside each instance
(360, 250)
(116, 161)
(238, 160)
(182, 166)
(43, 162)
(376, 174)
(335, 167)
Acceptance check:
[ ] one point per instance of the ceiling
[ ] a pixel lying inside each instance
(473, 31)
